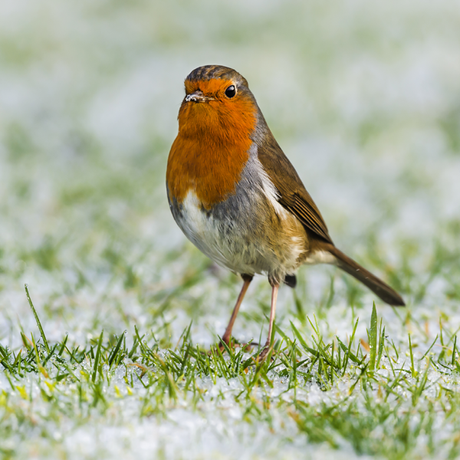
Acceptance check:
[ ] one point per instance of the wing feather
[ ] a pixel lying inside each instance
(292, 194)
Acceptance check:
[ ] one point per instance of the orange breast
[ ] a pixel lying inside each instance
(211, 149)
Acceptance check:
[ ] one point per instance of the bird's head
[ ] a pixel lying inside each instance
(217, 103)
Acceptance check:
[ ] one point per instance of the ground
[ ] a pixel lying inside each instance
(104, 353)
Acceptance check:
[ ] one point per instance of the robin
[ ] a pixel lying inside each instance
(237, 197)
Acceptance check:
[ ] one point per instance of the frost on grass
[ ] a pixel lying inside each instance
(127, 394)
(361, 97)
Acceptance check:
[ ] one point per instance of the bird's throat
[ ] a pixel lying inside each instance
(210, 168)
(209, 153)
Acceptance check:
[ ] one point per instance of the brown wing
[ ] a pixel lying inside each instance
(292, 193)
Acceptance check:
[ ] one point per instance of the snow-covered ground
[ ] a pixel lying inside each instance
(363, 97)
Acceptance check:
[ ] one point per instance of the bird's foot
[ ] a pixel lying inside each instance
(262, 356)
(230, 344)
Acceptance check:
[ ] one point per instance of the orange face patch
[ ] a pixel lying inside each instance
(214, 87)
(213, 143)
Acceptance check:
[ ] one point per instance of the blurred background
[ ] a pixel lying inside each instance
(363, 97)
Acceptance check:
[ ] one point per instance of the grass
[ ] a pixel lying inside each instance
(104, 353)
(377, 397)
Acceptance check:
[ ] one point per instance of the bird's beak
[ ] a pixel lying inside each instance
(197, 96)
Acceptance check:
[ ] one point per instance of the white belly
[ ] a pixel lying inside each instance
(219, 239)
(236, 244)
(249, 232)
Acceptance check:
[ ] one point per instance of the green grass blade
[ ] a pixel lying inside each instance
(37, 319)
(98, 357)
(372, 335)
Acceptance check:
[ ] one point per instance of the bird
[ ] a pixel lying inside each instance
(237, 197)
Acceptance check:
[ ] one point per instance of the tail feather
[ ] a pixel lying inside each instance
(377, 286)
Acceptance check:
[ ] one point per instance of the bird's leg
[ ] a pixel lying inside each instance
(228, 332)
(268, 345)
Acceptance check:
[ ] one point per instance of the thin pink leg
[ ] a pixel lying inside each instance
(268, 344)
(228, 332)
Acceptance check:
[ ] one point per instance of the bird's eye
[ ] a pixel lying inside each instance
(230, 91)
